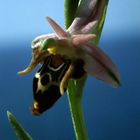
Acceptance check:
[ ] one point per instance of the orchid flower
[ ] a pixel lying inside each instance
(75, 45)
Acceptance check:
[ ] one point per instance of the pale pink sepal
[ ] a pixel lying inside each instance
(98, 64)
(59, 31)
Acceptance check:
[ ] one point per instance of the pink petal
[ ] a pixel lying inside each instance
(89, 27)
(98, 64)
(79, 39)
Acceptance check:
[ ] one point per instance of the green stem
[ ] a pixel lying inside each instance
(75, 88)
(75, 103)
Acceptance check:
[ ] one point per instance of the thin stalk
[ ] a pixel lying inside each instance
(75, 103)
(75, 88)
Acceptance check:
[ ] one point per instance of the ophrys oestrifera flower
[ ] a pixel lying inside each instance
(66, 55)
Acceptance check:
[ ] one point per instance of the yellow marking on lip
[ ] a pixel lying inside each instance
(36, 106)
(52, 50)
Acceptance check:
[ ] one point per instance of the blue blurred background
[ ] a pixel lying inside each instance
(110, 114)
